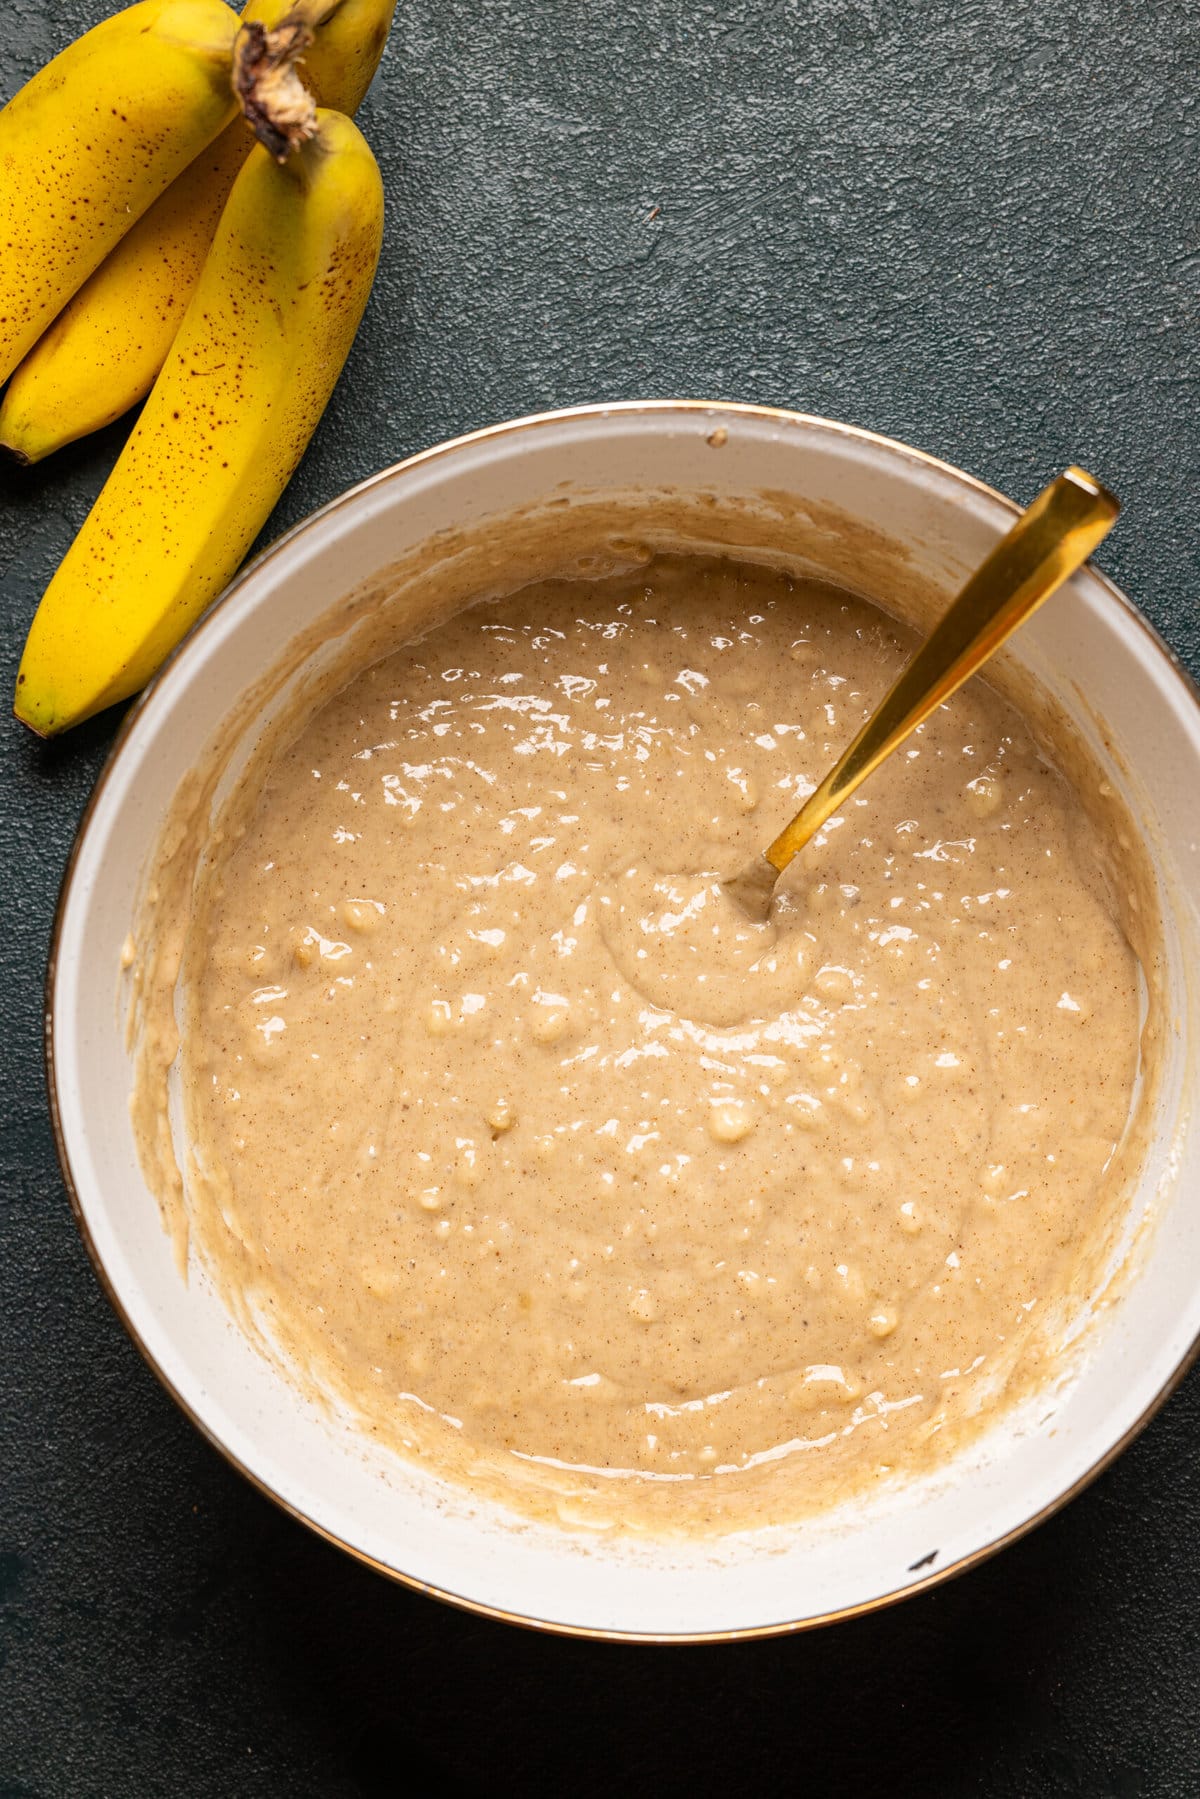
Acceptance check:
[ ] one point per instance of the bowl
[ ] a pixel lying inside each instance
(903, 529)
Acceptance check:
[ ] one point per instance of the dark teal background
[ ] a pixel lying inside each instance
(973, 226)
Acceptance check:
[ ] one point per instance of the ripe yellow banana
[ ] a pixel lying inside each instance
(103, 352)
(93, 139)
(246, 380)
(348, 41)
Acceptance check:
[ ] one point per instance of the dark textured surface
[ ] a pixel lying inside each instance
(973, 226)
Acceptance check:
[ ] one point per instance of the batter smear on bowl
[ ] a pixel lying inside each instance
(510, 1130)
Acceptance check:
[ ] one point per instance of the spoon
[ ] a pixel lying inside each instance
(1045, 546)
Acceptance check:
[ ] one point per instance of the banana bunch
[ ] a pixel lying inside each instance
(161, 249)
(104, 350)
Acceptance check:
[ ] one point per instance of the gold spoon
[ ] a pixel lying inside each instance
(1044, 547)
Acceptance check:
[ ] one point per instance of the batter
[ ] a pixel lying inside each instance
(536, 1152)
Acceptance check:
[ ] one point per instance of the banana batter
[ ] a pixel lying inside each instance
(520, 1139)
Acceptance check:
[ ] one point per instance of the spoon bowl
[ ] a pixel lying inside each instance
(850, 507)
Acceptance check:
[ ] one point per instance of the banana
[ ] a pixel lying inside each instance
(247, 378)
(103, 353)
(348, 41)
(93, 139)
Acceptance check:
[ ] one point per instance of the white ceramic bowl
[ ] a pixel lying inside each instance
(931, 523)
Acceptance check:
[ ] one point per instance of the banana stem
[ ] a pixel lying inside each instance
(278, 107)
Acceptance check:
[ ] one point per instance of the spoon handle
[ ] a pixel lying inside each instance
(1049, 541)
